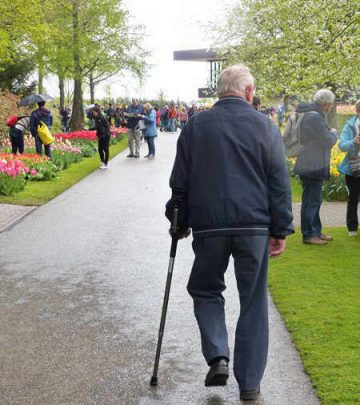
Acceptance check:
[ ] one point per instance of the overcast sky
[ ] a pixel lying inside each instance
(169, 26)
(175, 25)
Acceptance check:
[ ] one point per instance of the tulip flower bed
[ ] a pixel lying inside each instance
(334, 189)
(90, 135)
(64, 153)
(40, 167)
(13, 175)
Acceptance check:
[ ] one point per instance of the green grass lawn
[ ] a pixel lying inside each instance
(40, 192)
(296, 190)
(317, 290)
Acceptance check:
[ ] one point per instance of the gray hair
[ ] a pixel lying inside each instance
(324, 96)
(234, 79)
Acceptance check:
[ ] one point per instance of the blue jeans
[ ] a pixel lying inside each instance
(173, 124)
(310, 207)
(206, 285)
(151, 144)
(38, 147)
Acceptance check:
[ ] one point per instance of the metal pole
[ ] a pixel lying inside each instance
(174, 241)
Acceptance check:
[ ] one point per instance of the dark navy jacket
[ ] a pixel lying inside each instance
(317, 140)
(230, 173)
(41, 114)
(133, 121)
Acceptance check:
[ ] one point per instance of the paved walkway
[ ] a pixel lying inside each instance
(81, 288)
(12, 214)
(332, 214)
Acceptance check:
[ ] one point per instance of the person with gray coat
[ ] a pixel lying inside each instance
(313, 163)
(231, 186)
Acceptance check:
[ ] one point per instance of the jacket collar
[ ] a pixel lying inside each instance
(232, 100)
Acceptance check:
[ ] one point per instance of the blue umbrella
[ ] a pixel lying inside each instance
(33, 99)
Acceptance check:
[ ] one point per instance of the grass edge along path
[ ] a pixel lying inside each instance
(40, 192)
(316, 289)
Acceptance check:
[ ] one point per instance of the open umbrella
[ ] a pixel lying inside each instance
(33, 99)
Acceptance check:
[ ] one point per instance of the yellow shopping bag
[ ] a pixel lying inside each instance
(44, 134)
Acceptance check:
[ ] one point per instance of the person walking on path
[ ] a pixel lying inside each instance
(110, 113)
(44, 115)
(150, 131)
(350, 143)
(102, 128)
(16, 134)
(231, 186)
(173, 116)
(134, 113)
(313, 163)
(183, 117)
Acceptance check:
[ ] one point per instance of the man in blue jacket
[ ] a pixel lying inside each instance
(44, 115)
(231, 186)
(313, 163)
(134, 113)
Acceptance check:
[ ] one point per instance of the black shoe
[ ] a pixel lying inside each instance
(136, 156)
(218, 374)
(249, 395)
(131, 155)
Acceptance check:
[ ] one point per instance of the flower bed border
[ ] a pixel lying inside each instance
(39, 193)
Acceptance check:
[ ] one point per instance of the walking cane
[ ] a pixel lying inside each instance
(154, 378)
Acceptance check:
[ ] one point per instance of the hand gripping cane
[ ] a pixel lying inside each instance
(154, 378)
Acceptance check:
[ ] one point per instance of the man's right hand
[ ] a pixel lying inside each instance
(276, 246)
(181, 232)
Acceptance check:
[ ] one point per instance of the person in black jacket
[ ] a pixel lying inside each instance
(231, 186)
(313, 163)
(102, 128)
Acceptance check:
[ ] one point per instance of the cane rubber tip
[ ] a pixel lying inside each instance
(154, 381)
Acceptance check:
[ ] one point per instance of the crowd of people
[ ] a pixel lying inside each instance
(143, 122)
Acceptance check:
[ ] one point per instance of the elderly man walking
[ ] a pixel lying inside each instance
(313, 163)
(230, 184)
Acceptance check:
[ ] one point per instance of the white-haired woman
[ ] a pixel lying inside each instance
(350, 143)
(313, 163)
(150, 130)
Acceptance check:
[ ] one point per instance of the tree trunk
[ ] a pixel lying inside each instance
(41, 75)
(62, 91)
(92, 89)
(77, 116)
(286, 102)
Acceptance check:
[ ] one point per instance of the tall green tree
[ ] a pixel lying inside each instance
(296, 46)
(102, 44)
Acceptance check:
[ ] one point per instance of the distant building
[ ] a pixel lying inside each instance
(203, 55)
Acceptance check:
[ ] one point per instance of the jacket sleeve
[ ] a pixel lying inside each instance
(279, 190)
(179, 181)
(324, 136)
(151, 118)
(50, 120)
(346, 143)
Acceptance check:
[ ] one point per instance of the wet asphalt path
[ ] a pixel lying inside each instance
(81, 287)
